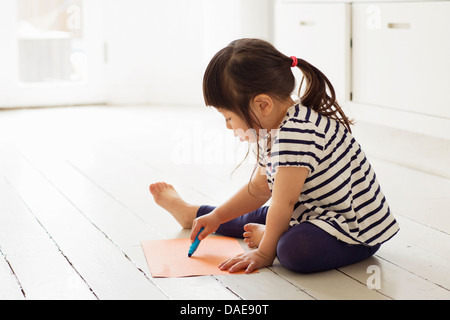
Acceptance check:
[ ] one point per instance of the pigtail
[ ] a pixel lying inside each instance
(319, 94)
(248, 67)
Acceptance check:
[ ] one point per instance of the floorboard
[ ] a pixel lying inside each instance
(33, 257)
(11, 288)
(96, 259)
(75, 207)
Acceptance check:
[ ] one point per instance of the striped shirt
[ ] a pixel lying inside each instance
(341, 194)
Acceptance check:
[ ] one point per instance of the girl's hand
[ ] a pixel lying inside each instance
(250, 261)
(210, 222)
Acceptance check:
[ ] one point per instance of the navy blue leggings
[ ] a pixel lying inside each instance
(304, 248)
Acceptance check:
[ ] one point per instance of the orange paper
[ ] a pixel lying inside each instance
(169, 258)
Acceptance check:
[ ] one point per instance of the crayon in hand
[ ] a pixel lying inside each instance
(194, 244)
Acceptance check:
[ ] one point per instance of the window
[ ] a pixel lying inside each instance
(50, 41)
(51, 52)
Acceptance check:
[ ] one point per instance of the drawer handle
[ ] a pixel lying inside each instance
(307, 23)
(399, 25)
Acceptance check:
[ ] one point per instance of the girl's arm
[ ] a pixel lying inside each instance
(242, 202)
(286, 190)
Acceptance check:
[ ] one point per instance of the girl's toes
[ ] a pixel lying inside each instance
(250, 243)
(250, 227)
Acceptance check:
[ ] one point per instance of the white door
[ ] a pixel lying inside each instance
(51, 52)
(401, 56)
(320, 34)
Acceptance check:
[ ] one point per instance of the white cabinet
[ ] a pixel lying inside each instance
(401, 56)
(389, 61)
(320, 34)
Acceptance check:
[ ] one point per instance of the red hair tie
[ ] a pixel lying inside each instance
(294, 61)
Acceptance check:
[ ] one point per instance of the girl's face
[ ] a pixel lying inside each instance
(240, 129)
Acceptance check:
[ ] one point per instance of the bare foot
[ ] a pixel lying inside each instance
(168, 198)
(253, 234)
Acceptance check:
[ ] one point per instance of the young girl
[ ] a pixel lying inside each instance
(327, 209)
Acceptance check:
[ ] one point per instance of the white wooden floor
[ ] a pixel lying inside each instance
(74, 207)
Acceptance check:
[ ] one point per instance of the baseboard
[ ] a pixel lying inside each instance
(410, 149)
(421, 123)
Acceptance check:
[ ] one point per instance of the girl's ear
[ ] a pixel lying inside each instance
(263, 104)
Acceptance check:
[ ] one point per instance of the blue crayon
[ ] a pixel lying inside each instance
(194, 244)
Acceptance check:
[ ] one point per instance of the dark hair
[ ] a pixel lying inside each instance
(248, 67)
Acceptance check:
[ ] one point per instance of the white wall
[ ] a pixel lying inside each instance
(158, 50)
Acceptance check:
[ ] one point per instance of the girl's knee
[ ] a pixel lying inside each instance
(294, 253)
(306, 248)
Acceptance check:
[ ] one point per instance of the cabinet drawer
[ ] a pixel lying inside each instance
(401, 56)
(320, 34)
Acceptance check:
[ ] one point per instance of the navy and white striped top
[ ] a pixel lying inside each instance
(341, 194)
